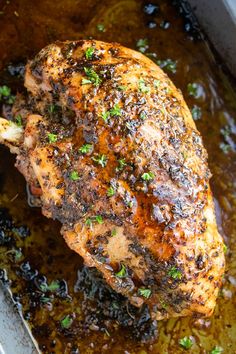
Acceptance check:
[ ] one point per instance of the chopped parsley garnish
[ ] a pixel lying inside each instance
(18, 120)
(142, 45)
(147, 176)
(74, 176)
(225, 147)
(86, 148)
(192, 89)
(52, 108)
(175, 273)
(196, 112)
(54, 286)
(113, 232)
(225, 248)
(186, 342)
(122, 88)
(105, 116)
(145, 292)
(121, 165)
(93, 77)
(168, 64)
(115, 111)
(96, 218)
(89, 53)
(157, 83)
(122, 272)
(217, 350)
(88, 222)
(5, 92)
(52, 138)
(100, 159)
(142, 86)
(100, 27)
(66, 322)
(143, 115)
(111, 191)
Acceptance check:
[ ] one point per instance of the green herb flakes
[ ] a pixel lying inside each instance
(89, 53)
(54, 286)
(142, 45)
(156, 83)
(175, 273)
(122, 272)
(74, 176)
(5, 94)
(115, 111)
(143, 115)
(105, 116)
(66, 322)
(100, 27)
(192, 89)
(225, 248)
(86, 148)
(111, 191)
(52, 138)
(142, 86)
(92, 77)
(121, 164)
(18, 120)
(100, 159)
(145, 292)
(148, 176)
(168, 64)
(196, 112)
(113, 232)
(186, 342)
(97, 218)
(217, 350)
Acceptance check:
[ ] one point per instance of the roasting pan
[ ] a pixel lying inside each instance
(218, 20)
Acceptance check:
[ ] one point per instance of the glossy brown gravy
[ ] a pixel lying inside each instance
(26, 27)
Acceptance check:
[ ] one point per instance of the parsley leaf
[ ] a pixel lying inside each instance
(89, 53)
(122, 272)
(74, 176)
(145, 292)
(142, 45)
(121, 165)
(110, 192)
(186, 342)
(100, 27)
(168, 64)
(54, 286)
(142, 86)
(100, 159)
(86, 148)
(18, 120)
(96, 218)
(93, 77)
(217, 350)
(192, 89)
(175, 273)
(196, 112)
(52, 138)
(147, 176)
(115, 111)
(66, 322)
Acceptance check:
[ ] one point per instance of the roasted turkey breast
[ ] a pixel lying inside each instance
(110, 147)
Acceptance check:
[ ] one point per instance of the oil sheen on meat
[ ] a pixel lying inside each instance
(110, 148)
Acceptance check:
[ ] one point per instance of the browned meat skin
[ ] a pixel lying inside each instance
(136, 202)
